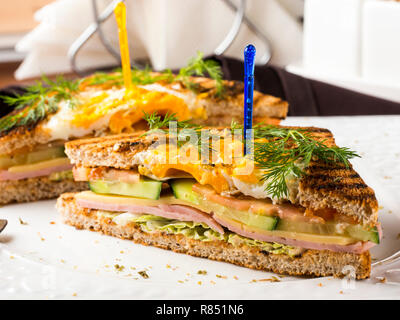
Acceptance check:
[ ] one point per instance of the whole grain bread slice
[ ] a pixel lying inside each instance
(311, 262)
(34, 189)
(324, 186)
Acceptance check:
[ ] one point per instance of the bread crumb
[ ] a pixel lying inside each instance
(52, 222)
(212, 282)
(203, 272)
(132, 268)
(41, 238)
(221, 277)
(62, 260)
(143, 274)
(235, 277)
(341, 292)
(122, 251)
(272, 279)
(382, 280)
(168, 266)
(12, 257)
(119, 268)
(74, 294)
(199, 283)
(22, 222)
(320, 284)
(180, 281)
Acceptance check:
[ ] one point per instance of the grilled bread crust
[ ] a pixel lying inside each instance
(219, 112)
(22, 138)
(313, 263)
(337, 186)
(324, 186)
(231, 104)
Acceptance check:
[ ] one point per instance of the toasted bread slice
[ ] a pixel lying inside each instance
(310, 263)
(34, 189)
(324, 186)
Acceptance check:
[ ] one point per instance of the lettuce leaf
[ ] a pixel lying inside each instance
(200, 231)
(61, 175)
(193, 230)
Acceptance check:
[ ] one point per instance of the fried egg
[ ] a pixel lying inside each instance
(113, 110)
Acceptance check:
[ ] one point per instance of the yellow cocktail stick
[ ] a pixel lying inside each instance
(120, 16)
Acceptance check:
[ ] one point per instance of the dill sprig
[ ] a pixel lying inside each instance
(285, 152)
(185, 130)
(156, 121)
(196, 66)
(282, 153)
(38, 101)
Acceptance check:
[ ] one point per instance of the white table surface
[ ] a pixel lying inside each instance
(45, 259)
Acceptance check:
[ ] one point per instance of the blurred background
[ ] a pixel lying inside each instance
(349, 43)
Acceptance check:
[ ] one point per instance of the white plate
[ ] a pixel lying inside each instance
(46, 259)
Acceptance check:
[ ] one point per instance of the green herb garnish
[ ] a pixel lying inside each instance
(281, 152)
(184, 130)
(39, 100)
(199, 67)
(156, 121)
(285, 152)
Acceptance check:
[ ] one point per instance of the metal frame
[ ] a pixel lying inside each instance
(96, 26)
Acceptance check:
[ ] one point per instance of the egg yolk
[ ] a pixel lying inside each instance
(132, 106)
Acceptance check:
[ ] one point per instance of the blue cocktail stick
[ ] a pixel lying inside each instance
(249, 55)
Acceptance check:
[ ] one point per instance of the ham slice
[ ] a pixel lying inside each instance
(178, 212)
(103, 173)
(358, 247)
(7, 175)
(283, 211)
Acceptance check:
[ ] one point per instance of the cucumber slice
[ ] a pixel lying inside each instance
(330, 229)
(254, 220)
(32, 157)
(145, 188)
(182, 189)
(358, 232)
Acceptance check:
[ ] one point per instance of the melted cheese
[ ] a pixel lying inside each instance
(40, 165)
(228, 174)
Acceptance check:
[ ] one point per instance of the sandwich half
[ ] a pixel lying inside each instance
(293, 204)
(33, 165)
